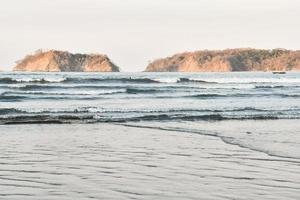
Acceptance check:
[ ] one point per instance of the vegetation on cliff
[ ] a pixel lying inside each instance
(229, 60)
(56, 61)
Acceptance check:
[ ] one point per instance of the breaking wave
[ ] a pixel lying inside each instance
(65, 118)
(98, 114)
(9, 80)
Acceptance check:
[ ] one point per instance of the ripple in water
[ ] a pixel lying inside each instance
(105, 161)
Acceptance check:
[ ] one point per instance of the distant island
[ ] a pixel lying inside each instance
(228, 60)
(243, 59)
(63, 61)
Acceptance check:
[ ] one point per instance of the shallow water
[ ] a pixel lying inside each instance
(280, 138)
(101, 161)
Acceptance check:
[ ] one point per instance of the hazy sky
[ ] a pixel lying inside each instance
(133, 32)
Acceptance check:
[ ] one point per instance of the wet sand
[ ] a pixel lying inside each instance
(105, 161)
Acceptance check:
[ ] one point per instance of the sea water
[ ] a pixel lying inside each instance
(124, 97)
(150, 135)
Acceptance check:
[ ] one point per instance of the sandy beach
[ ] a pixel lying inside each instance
(107, 161)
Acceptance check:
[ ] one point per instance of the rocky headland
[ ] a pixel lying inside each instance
(228, 60)
(63, 61)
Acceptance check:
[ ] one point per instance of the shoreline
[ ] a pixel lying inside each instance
(221, 130)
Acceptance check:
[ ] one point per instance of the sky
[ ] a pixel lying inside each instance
(134, 32)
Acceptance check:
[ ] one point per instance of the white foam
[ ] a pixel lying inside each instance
(167, 80)
(248, 80)
(47, 79)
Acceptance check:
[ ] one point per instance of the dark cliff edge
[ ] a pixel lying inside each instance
(229, 60)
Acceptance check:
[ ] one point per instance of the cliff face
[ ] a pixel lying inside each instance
(62, 61)
(228, 60)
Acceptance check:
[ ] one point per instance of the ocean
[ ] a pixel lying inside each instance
(125, 97)
(150, 135)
